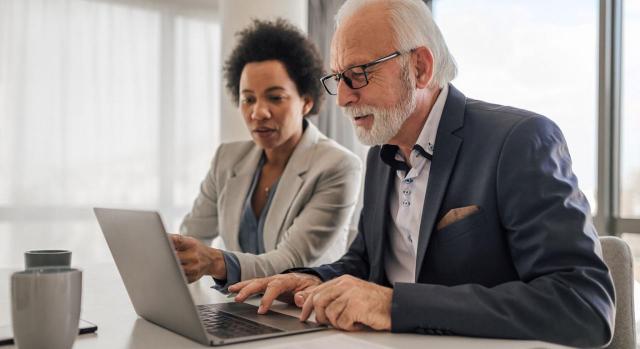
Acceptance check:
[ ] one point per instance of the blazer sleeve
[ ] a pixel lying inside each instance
(315, 229)
(202, 221)
(355, 262)
(555, 250)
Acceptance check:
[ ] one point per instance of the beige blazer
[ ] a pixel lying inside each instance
(311, 208)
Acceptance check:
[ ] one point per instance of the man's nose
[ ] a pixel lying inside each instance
(346, 95)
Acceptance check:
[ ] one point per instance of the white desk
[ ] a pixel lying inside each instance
(106, 303)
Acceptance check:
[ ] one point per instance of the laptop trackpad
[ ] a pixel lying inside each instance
(272, 318)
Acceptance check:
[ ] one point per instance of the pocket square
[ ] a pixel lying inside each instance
(455, 215)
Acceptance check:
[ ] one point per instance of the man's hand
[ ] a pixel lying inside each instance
(197, 259)
(347, 303)
(282, 287)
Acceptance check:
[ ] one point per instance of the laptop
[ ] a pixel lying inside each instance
(158, 289)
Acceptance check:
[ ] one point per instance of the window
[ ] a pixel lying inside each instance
(544, 56)
(536, 55)
(103, 104)
(630, 118)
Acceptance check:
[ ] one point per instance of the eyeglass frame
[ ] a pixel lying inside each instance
(364, 67)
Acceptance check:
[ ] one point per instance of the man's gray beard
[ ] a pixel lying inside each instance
(387, 122)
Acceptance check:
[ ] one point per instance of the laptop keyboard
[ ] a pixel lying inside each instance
(225, 325)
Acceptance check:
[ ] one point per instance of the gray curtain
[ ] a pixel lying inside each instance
(330, 119)
(429, 3)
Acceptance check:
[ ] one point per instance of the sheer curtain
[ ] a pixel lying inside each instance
(103, 103)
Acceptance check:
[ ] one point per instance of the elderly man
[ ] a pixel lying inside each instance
(473, 222)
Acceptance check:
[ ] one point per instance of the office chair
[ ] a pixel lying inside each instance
(617, 255)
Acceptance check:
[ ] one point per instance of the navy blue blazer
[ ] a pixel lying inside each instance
(527, 265)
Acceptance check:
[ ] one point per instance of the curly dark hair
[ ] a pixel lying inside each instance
(281, 41)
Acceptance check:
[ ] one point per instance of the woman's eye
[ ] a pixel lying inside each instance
(247, 100)
(276, 98)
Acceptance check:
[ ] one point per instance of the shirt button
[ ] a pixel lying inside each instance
(408, 180)
(405, 203)
(406, 192)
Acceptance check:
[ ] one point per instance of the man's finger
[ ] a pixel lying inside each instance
(257, 286)
(307, 308)
(346, 322)
(301, 296)
(240, 285)
(320, 288)
(274, 289)
(320, 299)
(319, 309)
(334, 310)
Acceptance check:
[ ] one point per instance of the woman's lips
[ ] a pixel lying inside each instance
(264, 131)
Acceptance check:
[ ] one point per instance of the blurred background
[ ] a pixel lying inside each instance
(119, 103)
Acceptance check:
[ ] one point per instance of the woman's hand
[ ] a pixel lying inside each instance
(197, 259)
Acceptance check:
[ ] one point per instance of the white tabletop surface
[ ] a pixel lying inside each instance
(105, 302)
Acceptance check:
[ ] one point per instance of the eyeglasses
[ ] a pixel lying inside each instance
(355, 77)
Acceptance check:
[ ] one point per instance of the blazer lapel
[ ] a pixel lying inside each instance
(289, 184)
(444, 158)
(380, 221)
(237, 188)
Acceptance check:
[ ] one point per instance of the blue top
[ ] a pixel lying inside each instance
(251, 231)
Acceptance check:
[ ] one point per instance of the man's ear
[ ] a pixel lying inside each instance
(308, 105)
(422, 59)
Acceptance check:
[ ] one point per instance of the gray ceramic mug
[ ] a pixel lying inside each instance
(47, 258)
(45, 307)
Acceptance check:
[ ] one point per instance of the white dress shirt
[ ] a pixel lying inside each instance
(408, 198)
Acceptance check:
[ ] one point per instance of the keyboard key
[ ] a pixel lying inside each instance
(225, 325)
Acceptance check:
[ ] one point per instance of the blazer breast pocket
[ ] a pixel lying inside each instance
(474, 221)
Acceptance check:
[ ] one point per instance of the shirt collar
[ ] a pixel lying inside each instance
(426, 141)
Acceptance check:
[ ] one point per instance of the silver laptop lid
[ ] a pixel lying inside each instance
(150, 270)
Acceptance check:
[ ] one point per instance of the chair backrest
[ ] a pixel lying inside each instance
(618, 257)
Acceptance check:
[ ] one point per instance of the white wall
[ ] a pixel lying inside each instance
(236, 15)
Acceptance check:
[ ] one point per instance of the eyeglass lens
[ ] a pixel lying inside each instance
(355, 78)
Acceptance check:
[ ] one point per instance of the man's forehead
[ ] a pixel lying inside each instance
(362, 37)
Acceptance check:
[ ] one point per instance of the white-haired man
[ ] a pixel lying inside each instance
(472, 224)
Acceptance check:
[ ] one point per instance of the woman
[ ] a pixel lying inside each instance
(284, 199)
